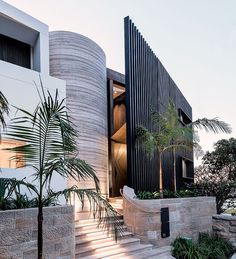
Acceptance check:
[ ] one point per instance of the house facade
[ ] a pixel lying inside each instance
(106, 106)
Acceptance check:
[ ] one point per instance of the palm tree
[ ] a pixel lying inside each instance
(50, 148)
(3, 109)
(171, 135)
(168, 135)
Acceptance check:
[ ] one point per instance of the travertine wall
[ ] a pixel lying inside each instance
(188, 217)
(225, 226)
(18, 233)
(82, 64)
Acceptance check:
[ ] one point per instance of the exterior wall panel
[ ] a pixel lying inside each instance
(82, 64)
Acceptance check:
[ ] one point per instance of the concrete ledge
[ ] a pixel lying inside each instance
(18, 233)
(187, 217)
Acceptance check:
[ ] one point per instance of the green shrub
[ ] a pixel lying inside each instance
(145, 195)
(11, 197)
(213, 246)
(167, 193)
(209, 246)
(185, 249)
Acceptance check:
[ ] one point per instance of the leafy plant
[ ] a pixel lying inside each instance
(167, 193)
(209, 246)
(213, 246)
(146, 195)
(187, 193)
(10, 194)
(170, 135)
(4, 109)
(50, 148)
(217, 174)
(185, 249)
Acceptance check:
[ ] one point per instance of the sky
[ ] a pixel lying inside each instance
(194, 39)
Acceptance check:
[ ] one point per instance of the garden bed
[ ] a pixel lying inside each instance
(187, 216)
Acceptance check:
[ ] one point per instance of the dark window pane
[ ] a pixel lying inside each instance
(14, 51)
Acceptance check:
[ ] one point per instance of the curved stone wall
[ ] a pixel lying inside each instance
(82, 64)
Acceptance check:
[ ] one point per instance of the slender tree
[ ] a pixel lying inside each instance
(50, 148)
(171, 135)
(168, 135)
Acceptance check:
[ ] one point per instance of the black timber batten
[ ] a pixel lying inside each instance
(148, 85)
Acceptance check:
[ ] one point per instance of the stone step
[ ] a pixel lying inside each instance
(92, 225)
(160, 252)
(91, 237)
(88, 220)
(119, 198)
(79, 232)
(92, 249)
(101, 238)
(116, 250)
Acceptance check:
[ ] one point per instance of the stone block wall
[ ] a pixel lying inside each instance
(187, 217)
(225, 226)
(18, 233)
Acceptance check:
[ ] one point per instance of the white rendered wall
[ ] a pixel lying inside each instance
(17, 84)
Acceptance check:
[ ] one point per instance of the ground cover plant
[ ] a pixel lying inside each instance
(146, 195)
(209, 246)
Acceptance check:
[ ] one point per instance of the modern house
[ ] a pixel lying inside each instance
(106, 105)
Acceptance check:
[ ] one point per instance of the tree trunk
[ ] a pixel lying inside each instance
(175, 187)
(40, 218)
(40, 230)
(160, 177)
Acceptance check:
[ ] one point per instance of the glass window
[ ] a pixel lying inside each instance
(15, 52)
(6, 156)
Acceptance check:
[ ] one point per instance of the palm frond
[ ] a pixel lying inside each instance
(4, 108)
(48, 133)
(10, 185)
(71, 167)
(211, 125)
(146, 140)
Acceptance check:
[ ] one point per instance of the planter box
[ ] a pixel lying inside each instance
(187, 217)
(225, 226)
(18, 233)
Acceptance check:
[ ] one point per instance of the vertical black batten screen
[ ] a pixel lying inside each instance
(141, 93)
(148, 85)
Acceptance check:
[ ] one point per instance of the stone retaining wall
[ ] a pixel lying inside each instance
(18, 233)
(188, 217)
(225, 226)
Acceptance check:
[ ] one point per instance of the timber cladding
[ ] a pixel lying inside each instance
(148, 84)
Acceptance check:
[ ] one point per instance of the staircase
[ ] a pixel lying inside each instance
(117, 204)
(94, 243)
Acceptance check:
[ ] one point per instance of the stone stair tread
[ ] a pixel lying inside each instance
(116, 250)
(90, 219)
(79, 224)
(79, 232)
(107, 243)
(99, 236)
(160, 251)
